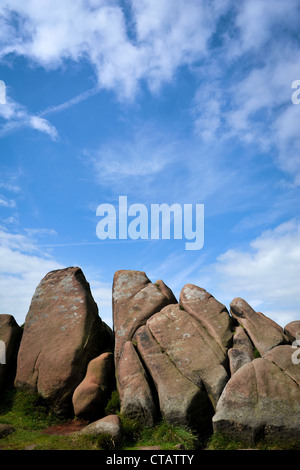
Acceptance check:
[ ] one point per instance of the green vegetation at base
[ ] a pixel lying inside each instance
(30, 417)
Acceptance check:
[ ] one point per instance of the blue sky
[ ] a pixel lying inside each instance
(162, 101)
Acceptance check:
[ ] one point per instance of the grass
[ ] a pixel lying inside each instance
(30, 416)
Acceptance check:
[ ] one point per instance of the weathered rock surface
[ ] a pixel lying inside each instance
(10, 338)
(109, 425)
(292, 330)
(262, 400)
(135, 299)
(181, 401)
(262, 331)
(242, 350)
(191, 349)
(135, 393)
(92, 394)
(209, 312)
(63, 333)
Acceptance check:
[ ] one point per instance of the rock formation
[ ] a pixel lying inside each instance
(189, 361)
(62, 334)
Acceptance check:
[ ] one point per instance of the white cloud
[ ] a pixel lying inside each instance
(266, 273)
(16, 116)
(22, 268)
(166, 36)
(43, 125)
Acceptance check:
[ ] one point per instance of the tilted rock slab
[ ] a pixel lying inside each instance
(262, 400)
(209, 312)
(167, 361)
(181, 401)
(10, 338)
(263, 332)
(135, 299)
(191, 348)
(242, 350)
(63, 333)
(136, 395)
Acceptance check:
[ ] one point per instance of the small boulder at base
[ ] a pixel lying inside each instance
(109, 425)
(63, 333)
(92, 394)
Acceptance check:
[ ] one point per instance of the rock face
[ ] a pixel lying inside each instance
(191, 362)
(63, 333)
(10, 338)
(169, 361)
(92, 394)
(262, 400)
(264, 333)
(292, 331)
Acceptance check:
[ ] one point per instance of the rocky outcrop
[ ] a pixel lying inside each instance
(10, 338)
(62, 334)
(191, 362)
(262, 400)
(167, 352)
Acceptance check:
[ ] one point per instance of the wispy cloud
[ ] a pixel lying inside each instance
(17, 116)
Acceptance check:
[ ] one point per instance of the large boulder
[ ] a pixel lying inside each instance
(10, 338)
(263, 332)
(136, 395)
(262, 400)
(181, 401)
(209, 312)
(63, 333)
(135, 299)
(191, 348)
(92, 394)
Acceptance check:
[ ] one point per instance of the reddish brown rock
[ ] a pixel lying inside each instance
(92, 394)
(191, 349)
(262, 400)
(261, 330)
(242, 350)
(209, 312)
(63, 333)
(135, 393)
(181, 401)
(292, 330)
(10, 338)
(109, 425)
(135, 299)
